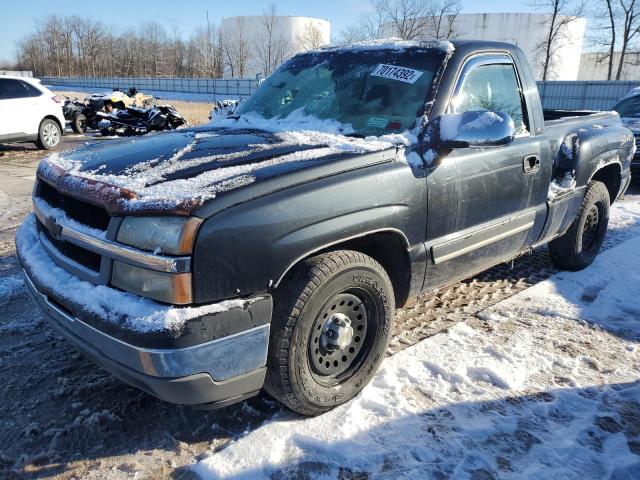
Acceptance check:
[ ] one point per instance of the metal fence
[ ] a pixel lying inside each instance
(561, 95)
(240, 87)
(583, 95)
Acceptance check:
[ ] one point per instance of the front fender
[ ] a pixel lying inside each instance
(249, 247)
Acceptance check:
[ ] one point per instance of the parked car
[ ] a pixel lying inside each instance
(29, 112)
(270, 250)
(628, 108)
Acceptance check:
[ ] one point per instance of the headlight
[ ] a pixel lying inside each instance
(172, 288)
(172, 235)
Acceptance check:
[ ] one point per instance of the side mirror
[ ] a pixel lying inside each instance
(475, 129)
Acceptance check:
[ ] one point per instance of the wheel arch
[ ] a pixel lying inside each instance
(55, 119)
(610, 175)
(389, 247)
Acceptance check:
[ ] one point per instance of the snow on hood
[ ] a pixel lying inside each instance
(179, 171)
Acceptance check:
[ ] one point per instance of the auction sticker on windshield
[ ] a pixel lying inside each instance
(394, 72)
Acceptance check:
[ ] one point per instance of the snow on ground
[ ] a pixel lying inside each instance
(543, 385)
(10, 287)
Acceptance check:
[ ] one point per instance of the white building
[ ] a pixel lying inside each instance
(528, 31)
(289, 35)
(592, 69)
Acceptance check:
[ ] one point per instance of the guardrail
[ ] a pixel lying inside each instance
(561, 95)
(211, 86)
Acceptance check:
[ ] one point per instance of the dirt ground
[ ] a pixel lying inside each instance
(64, 417)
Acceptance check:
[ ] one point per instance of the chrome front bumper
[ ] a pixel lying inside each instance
(209, 375)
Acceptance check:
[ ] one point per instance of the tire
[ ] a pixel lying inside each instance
(79, 123)
(578, 247)
(314, 366)
(49, 134)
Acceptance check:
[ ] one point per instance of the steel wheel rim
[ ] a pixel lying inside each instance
(333, 367)
(50, 134)
(590, 228)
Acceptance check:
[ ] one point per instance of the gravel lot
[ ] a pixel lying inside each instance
(62, 416)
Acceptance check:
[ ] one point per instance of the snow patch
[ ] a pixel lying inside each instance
(122, 308)
(10, 287)
(480, 401)
(391, 43)
(565, 183)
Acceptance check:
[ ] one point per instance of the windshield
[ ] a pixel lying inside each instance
(375, 92)
(629, 107)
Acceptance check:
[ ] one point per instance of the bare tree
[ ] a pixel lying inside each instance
(236, 48)
(616, 36)
(630, 17)
(561, 14)
(311, 37)
(271, 47)
(406, 19)
(370, 26)
(413, 19)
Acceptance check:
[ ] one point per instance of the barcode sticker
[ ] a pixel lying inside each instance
(394, 72)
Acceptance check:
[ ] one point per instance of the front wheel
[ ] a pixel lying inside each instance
(49, 134)
(578, 247)
(330, 330)
(79, 123)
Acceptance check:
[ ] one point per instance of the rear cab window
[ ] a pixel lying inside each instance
(33, 91)
(12, 89)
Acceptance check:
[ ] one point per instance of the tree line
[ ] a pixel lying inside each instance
(79, 46)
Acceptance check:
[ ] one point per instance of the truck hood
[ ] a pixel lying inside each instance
(178, 171)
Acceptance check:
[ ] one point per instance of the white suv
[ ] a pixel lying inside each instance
(29, 112)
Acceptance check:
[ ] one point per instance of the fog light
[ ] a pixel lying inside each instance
(172, 288)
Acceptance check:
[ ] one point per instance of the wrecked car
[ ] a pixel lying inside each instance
(138, 121)
(271, 249)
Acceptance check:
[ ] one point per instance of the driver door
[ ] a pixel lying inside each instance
(496, 190)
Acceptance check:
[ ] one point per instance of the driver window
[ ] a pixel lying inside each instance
(492, 87)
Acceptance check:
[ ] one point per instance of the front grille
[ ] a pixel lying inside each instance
(78, 210)
(82, 256)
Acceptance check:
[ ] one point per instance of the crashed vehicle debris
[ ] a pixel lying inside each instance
(120, 113)
(138, 121)
(270, 249)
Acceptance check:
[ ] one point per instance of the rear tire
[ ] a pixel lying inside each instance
(49, 134)
(330, 329)
(578, 247)
(79, 123)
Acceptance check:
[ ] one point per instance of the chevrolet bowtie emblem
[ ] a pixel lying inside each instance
(54, 229)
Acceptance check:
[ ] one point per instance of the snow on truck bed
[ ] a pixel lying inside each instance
(543, 385)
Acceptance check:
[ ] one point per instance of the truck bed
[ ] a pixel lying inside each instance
(551, 115)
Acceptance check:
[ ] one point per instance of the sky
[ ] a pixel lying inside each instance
(18, 18)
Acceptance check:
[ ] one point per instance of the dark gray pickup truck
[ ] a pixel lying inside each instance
(270, 249)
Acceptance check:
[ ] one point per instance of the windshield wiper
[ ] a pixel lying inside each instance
(354, 135)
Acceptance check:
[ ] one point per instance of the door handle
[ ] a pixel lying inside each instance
(531, 163)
